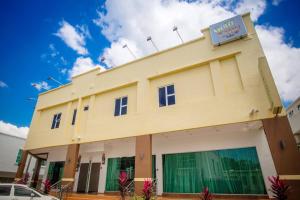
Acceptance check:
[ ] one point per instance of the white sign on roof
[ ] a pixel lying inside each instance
(228, 30)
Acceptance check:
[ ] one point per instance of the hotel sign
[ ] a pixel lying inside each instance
(228, 30)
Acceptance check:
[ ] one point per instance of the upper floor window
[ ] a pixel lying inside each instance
(86, 108)
(166, 95)
(291, 113)
(74, 116)
(121, 106)
(56, 121)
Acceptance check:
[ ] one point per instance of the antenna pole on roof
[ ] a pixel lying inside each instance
(150, 39)
(50, 78)
(175, 29)
(126, 46)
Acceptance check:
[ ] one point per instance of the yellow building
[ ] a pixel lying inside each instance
(204, 113)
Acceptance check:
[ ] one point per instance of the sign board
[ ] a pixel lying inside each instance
(228, 30)
(19, 156)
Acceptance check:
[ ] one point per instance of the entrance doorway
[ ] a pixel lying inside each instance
(125, 164)
(55, 171)
(88, 180)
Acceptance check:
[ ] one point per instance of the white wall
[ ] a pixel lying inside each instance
(9, 148)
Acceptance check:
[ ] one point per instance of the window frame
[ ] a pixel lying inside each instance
(10, 190)
(167, 95)
(74, 116)
(25, 188)
(56, 120)
(119, 113)
(86, 108)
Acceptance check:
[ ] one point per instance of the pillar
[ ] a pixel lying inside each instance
(21, 166)
(36, 174)
(70, 163)
(143, 161)
(284, 152)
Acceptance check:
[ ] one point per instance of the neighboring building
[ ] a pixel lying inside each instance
(191, 116)
(9, 149)
(293, 112)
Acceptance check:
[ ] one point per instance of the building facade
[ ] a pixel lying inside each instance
(293, 112)
(196, 115)
(9, 150)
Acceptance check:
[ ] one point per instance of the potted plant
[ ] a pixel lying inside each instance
(47, 186)
(206, 195)
(147, 189)
(278, 188)
(123, 182)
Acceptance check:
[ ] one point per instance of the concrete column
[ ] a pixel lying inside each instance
(36, 174)
(70, 163)
(159, 174)
(21, 166)
(284, 151)
(103, 173)
(143, 161)
(215, 69)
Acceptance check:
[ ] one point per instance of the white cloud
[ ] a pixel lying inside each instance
(283, 59)
(3, 85)
(83, 64)
(63, 70)
(41, 85)
(276, 2)
(256, 7)
(53, 51)
(11, 129)
(73, 37)
(131, 22)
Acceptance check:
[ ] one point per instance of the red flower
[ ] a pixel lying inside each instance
(278, 188)
(123, 181)
(206, 195)
(147, 190)
(47, 186)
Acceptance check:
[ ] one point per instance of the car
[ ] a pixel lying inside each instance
(11, 191)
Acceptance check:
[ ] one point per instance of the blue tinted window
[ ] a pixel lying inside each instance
(170, 89)
(117, 107)
(121, 106)
(58, 120)
(74, 116)
(124, 101)
(171, 100)
(53, 121)
(124, 110)
(162, 96)
(166, 95)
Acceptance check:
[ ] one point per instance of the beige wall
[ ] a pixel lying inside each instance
(213, 85)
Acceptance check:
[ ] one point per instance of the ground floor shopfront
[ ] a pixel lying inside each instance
(234, 159)
(231, 159)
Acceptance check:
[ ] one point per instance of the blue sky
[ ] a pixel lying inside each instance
(35, 43)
